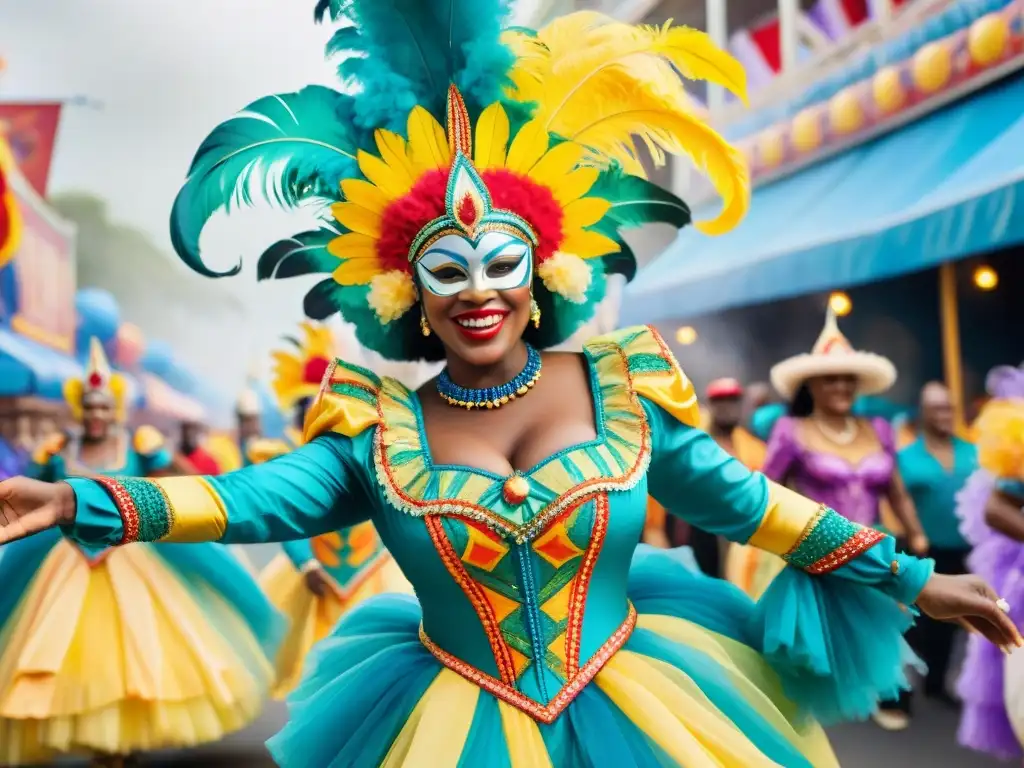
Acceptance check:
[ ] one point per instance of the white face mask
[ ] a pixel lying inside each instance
(497, 261)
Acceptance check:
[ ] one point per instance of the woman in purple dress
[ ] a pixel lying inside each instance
(825, 453)
(989, 507)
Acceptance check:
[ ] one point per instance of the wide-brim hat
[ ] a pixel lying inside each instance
(833, 355)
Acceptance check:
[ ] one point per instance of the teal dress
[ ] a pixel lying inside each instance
(541, 633)
(933, 489)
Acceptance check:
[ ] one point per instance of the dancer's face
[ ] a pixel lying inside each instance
(476, 294)
(937, 409)
(97, 417)
(834, 394)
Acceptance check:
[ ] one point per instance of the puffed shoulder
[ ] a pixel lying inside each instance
(346, 403)
(642, 358)
(148, 440)
(49, 448)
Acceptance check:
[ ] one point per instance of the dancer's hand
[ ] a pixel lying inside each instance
(30, 506)
(971, 602)
(317, 581)
(919, 544)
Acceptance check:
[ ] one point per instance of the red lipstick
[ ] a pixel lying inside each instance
(480, 324)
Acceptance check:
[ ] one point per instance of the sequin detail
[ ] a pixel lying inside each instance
(578, 600)
(125, 508)
(539, 712)
(472, 590)
(830, 541)
(155, 514)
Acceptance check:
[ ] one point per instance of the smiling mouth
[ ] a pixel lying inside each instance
(481, 325)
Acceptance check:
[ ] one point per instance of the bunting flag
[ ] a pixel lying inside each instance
(10, 216)
(30, 130)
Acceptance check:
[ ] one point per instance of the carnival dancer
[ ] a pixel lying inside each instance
(512, 488)
(822, 451)
(112, 652)
(990, 509)
(315, 581)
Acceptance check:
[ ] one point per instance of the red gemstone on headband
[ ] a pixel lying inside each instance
(466, 211)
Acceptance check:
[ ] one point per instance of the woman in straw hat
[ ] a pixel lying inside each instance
(512, 488)
(826, 453)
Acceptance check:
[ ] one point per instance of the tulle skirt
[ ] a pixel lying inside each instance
(687, 689)
(312, 618)
(990, 684)
(129, 653)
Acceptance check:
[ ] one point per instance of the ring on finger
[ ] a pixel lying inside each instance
(1002, 605)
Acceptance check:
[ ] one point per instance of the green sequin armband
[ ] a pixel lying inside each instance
(145, 511)
(830, 541)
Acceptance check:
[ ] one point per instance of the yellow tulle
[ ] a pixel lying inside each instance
(311, 618)
(752, 569)
(1000, 432)
(120, 657)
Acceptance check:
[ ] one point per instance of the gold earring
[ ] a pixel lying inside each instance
(424, 325)
(534, 313)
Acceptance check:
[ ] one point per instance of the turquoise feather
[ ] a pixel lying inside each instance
(636, 201)
(416, 48)
(283, 149)
(302, 254)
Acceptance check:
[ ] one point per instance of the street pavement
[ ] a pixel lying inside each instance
(930, 742)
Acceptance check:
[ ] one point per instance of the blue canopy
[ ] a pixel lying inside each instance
(944, 188)
(29, 368)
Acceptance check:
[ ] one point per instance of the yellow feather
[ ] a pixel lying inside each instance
(588, 245)
(557, 162)
(574, 185)
(393, 152)
(492, 131)
(357, 271)
(527, 147)
(364, 194)
(622, 114)
(428, 144)
(353, 245)
(585, 212)
(355, 218)
(380, 174)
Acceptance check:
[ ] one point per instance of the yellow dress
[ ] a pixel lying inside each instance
(116, 651)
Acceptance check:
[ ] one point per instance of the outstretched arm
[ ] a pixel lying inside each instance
(310, 491)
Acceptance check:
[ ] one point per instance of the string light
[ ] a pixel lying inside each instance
(986, 278)
(840, 303)
(686, 335)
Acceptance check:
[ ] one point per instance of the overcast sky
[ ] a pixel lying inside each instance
(165, 72)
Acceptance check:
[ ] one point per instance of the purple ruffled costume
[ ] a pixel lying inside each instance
(854, 491)
(984, 725)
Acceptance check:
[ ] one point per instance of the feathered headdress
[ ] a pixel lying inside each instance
(450, 123)
(99, 379)
(1000, 425)
(297, 374)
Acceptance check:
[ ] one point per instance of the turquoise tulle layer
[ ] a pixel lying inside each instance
(363, 683)
(208, 565)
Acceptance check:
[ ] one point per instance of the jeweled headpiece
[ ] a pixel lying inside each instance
(99, 380)
(453, 126)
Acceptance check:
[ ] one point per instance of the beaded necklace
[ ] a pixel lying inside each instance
(491, 397)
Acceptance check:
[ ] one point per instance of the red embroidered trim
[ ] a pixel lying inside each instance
(125, 507)
(453, 564)
(546, 714)
(578, 599)
(856, 545)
